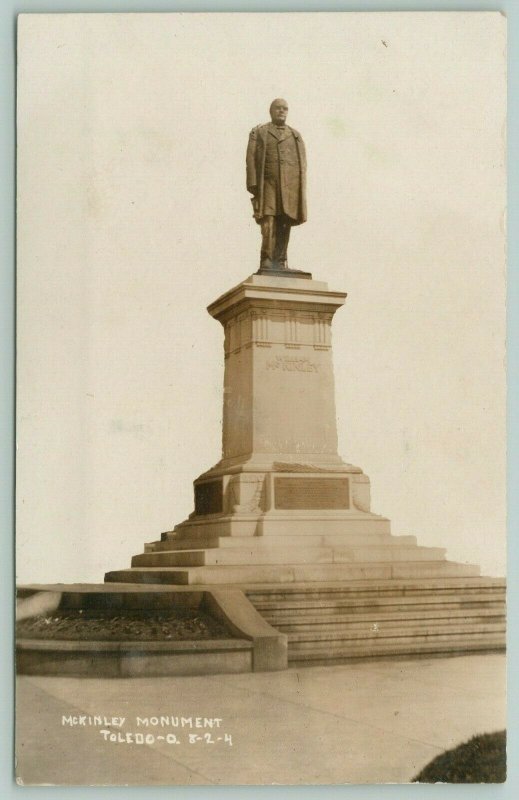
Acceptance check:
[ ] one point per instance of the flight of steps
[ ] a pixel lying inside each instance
(339, 596)
(385, 618)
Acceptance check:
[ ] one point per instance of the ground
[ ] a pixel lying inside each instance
(371, 722)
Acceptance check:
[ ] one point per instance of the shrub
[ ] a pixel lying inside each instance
(480, 760)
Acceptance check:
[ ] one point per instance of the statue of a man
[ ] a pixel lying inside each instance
(276, 177)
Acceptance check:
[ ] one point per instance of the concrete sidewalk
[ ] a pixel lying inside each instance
(371, 722)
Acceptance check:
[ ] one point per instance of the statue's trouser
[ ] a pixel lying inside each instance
(275, 233)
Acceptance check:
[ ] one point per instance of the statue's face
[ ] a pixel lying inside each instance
(279, 111)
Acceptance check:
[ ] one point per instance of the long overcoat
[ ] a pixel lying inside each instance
(256, 152)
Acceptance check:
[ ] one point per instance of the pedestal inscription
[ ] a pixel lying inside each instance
(311, 493)
(292, 364)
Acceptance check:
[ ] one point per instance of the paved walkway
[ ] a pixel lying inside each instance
(375, 722)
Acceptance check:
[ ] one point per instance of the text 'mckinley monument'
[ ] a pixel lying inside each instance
(282, 543)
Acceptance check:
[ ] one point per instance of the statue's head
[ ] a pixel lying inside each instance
(278, 111)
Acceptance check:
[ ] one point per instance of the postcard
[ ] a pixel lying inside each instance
(261, 441)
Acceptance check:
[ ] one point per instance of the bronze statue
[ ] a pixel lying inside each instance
(276, 177)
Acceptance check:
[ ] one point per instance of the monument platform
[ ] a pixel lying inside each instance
(282, 511)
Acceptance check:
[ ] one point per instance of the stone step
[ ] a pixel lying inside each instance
(259, 554)
(346, 633)
(395, 647)
(289, 523)
(325, 612)
(297, 622)
(452, 590)
(352, 604)
(344, 538)
(256, 554)
(381, 588)
(327, 645)
(185, 542)
(293, 541)
(288, 573)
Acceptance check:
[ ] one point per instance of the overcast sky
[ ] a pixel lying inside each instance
(133, 217)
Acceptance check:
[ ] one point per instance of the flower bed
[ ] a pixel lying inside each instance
(132, 626)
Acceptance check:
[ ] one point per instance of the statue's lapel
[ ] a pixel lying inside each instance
(276, 133)
(286, 133)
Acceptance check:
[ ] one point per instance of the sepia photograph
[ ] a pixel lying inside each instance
(261, 398)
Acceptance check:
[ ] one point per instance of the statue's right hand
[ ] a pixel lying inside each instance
(253, 190)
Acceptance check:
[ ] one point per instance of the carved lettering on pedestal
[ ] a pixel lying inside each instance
(292, 364)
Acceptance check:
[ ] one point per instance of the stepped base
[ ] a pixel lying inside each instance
(290, 573)
(316, 551)
(263, 554)
(338, 585)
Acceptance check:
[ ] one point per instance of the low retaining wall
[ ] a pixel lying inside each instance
(132, 659)
(253, 645)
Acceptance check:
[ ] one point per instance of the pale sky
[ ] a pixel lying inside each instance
(133, 216)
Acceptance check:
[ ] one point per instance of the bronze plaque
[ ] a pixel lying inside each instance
(311, 493)
(209, 498)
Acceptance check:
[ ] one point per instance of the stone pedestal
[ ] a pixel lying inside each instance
(279, 401)
(281, 505)
(280, 473)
